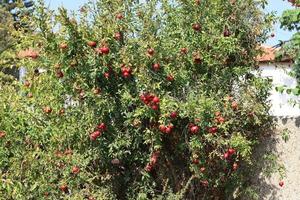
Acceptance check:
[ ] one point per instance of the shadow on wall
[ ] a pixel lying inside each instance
(267, 148)
(284, 120)
(278, 159)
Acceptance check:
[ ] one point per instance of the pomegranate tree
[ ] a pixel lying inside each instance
(136, 100)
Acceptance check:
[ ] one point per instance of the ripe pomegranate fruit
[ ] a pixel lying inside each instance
(126, 71)
(231, 151)
(272, 35)
(118, 36)
(63, 188)
(63, 46)
(155, 100)
(150, 51)
(59, 74)
(27, 83)
(149, 167)
(194, 129)
(204, 183)
(226, 32)
(281, 183)
(119, 16)
(170, 78)
(95, 135)
(226, 155)
(196, 27)
(220, 120)
(195, 161)
(97, 91)
(75, 169)
(2, 134)
(174, 115)
(102, 126)
(213, 129)
(61, 111)
(92, 43)
(47, 109)
(156, 66)
(183, 51)
(104, 50)
(234, 105)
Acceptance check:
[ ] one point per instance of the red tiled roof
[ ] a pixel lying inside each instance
(269, 55)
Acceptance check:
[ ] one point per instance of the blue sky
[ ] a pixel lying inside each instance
(274, 5)
(69, 4)
(279, 6)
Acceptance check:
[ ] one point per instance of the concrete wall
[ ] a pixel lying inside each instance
(288, 153)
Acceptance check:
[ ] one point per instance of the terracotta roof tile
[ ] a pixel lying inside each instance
(269, 55)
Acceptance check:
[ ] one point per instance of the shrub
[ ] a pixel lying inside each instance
(129, 100)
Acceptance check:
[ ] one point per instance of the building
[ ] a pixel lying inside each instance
(278, 72)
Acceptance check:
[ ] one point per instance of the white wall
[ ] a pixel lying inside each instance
(281, 105)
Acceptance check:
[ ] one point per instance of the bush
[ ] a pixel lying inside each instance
(129, 100)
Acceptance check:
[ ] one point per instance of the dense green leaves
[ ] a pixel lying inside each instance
(290, 20)
(150, 100)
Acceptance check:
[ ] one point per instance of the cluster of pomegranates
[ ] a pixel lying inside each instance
(99, 130)
(150, 100)
(166, 129)
(228, 154)
(126, 71)
(212, 129)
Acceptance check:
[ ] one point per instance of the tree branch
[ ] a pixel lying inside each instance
(281, 43)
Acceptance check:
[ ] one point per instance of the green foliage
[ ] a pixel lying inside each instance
(241, 144)
(285, 134)
(290, 20)
(13, 15)
(5, 30)
(250, 193)
(273, 165)
(183, 129)
(6, 44)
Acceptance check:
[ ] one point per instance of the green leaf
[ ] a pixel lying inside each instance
(296, 91)
(280, 89)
